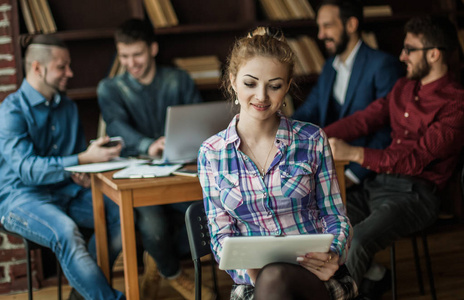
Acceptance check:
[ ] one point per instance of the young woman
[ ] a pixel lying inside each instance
(270, 175)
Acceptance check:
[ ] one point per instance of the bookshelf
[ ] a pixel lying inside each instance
(204, 28)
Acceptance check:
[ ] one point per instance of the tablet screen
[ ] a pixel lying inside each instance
(254, 252)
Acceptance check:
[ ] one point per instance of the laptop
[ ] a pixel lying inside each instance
(254, 252)
(188, 126)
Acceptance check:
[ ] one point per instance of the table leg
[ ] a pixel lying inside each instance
(340, 169)
(126, 211)
(101, 237)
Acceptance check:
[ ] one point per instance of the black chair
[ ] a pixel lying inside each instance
(423, 235)
(428, 264)
(29, 246)
(199, 241)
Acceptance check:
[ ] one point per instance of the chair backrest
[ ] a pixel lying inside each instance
(197, 230)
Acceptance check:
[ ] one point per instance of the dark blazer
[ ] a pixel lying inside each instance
(374, 74)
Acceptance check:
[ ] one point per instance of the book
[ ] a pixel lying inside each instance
(307, 9)
(202, 69)
(169, 12)
(270, 9)
(37, 16)
(317, 58)
(377, 11)
(161, 13)
(155, 13)
(27, 16)
(47, 15)
(301, 65)
(295, 10)
(282, 10)
(370, 39)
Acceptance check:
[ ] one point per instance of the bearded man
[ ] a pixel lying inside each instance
(352, 77)
(426, 113)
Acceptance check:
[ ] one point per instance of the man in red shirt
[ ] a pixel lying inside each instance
(426, 113)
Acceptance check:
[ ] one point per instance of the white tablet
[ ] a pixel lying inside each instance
(254, 252)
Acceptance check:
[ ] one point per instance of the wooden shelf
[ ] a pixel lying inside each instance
(202, 28)
(69, 35)
(207, 27)
(82, 93)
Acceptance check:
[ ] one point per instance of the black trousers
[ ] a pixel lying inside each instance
(384, 209)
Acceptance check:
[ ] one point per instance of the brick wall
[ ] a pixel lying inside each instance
(13, 276)
(8, 81)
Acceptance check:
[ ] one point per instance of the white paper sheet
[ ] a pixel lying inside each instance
(105, 166)
(146, 171)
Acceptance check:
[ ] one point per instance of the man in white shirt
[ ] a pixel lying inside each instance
(353, 76)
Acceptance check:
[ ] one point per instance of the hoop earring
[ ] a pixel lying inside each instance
(236, 102)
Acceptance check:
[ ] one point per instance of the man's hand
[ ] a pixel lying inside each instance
(343, 151)
(323, 265)
(157, 147)
(82, 179)
(96, 153)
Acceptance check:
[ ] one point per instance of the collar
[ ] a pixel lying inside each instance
(135, 84)
(284, 133)
(434, 85)
(35, 98)
(349, 62)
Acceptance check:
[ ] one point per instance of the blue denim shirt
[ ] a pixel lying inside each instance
(38, 139)
(137, 112)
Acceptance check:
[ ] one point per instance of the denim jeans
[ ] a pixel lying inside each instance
(385, 209)
(163, 233)
(52, 220)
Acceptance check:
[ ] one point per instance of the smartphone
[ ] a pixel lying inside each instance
(114, 141)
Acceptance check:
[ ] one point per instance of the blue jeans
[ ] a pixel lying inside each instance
(163, 234)
(52, 219)
(385, 209)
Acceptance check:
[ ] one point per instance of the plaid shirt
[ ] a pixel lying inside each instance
(298, 195)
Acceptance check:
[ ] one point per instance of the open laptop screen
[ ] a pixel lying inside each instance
(188, 126)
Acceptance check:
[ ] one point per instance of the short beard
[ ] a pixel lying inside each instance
(422, 70)
(341, 46)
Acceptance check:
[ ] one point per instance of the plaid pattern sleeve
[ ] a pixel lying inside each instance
(299, 193)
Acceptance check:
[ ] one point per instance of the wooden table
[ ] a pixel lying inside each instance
(130, 193)
(340, 169)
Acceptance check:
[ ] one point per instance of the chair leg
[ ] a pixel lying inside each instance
(58, 274)
(28, 269)
(420, 282)
(213, 267)
(197, 266)
(428, 265)
(393, 270)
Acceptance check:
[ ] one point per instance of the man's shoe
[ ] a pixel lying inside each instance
(186, 287)
(375, 289)
(149, 285)
(74, 295)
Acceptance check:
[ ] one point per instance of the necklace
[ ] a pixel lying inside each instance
(256, 160)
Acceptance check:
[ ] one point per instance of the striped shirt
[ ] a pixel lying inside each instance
(299, 193)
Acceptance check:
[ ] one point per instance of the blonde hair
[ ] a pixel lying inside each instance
(263, 41)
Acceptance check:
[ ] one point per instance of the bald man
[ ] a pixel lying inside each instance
(40, 135)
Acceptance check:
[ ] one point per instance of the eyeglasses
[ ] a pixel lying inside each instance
(408, 50)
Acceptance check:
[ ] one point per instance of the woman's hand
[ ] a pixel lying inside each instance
(323, 265)
(253, 273)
